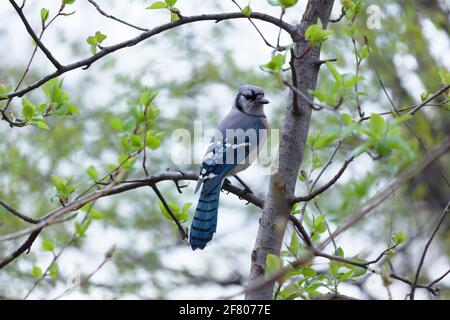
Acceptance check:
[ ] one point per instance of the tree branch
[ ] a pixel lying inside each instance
(33, 35)
(18, 214)
(326, 186)
(51, 217)
(183, 232)
(85, 63)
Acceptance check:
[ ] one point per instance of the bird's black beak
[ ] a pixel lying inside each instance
(263, 101)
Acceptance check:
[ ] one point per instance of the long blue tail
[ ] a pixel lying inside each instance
(205, 218)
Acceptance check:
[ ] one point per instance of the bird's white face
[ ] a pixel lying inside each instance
(250, 100)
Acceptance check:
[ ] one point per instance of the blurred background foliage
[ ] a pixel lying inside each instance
(205, 68)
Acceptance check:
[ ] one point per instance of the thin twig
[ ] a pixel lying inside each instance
(257, 29)
(115, 18)
(144, 157)
(183, 232)
(25, 247)
(340, 16)
(108, 257)
(427, 245)
(432, 283)
(326, 186)
(56, 256)
(36, 39)
(358, 64)
(18, 214)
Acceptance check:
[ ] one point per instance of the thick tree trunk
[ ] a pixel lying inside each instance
(294, 132)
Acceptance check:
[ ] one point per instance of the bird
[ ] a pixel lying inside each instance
(237, 141)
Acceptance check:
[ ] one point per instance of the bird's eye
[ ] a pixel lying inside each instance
(248, 95)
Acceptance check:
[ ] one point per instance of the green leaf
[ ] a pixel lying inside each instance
(95, 214)
(288, 3)
(81, 228)
(399, 120)
(91, 40)
(293, 245)
(36, 272)
(399, 237)
(347, 118)
(62, 185)
(54, 271)
(68, 1)
(186, 206)
(383, 147)
(334, 267)
(100, 37)
(145, 98)
(320, 224)
(41, 125)
(363, 148)
(125, 143)
(273, 264)
(5, 89)
(346, 275)
(247, 11)
(28, 109)
(173, 15)
(153, 142)
(52, 89)
(363, 53)
(347, 4)
(276, 62)
(377, 124)
(347, 131)
(325, 139)
(66, 14)
(316, 161)
(337, 76)
(92, 172)
(72, 109)
(157, 5)
(308, 272)
(358, 272)
(125, 161)
(445, 76)
(313, 286)
(315, 33)
(165, 212)
(48, 245)
(44, 15)
(170, 3)
(58, 182)
(136, 141)
(117, 124)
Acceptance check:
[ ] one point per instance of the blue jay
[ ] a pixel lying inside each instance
(235, 145)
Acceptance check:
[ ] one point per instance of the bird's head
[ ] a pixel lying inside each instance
(250, 99)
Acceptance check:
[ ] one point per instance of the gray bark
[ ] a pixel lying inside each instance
(294, 132)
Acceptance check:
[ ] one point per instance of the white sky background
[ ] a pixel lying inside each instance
(233, 227)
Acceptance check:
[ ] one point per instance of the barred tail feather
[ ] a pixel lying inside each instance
(205, 219)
